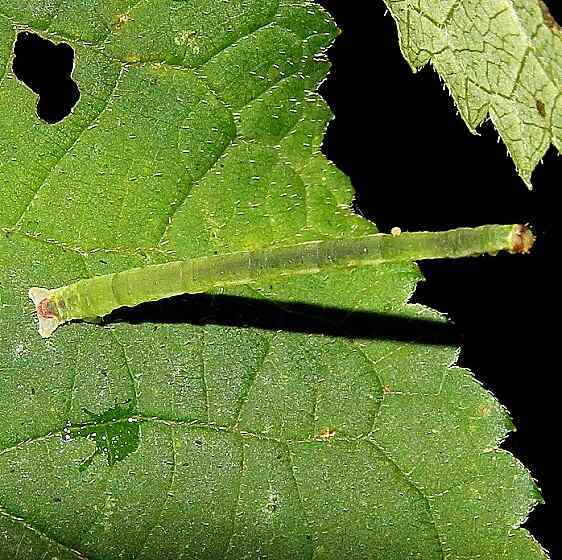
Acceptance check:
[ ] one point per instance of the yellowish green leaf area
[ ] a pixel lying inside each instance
(198, 132)
(499, 58)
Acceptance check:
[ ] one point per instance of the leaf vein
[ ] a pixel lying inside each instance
(204, 375)
(301, 502)
(171, 482)
(30, 527)
(245, 397)
(238, 496)
(68, 150)
(371, 441)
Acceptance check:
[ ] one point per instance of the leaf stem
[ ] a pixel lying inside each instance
(100, 295)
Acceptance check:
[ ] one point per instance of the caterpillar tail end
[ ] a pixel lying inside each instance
(48, 321)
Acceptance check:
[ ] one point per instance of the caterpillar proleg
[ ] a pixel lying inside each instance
(100, 295)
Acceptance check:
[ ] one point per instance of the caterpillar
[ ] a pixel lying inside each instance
(98, 296)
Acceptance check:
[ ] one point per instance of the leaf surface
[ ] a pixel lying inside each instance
(198, 132)
(499, 58)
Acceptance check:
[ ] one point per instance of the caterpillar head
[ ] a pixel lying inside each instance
(521, 239)
(48, 321)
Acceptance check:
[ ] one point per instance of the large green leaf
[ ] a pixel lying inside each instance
(198, 132)
(501, 58)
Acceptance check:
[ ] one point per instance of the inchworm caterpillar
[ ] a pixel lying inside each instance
(100, 295)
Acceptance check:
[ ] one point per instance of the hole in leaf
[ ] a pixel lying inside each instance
(46, 69)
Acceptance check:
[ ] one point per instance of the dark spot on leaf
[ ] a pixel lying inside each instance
(541, 108)
(46, 69)
(120, 20)
(272, 504)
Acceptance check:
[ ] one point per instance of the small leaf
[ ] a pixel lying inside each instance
(501, 58)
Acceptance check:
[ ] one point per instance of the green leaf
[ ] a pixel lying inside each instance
(501, 58)
(198, 132)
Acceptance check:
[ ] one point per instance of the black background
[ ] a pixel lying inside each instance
(415, 165)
